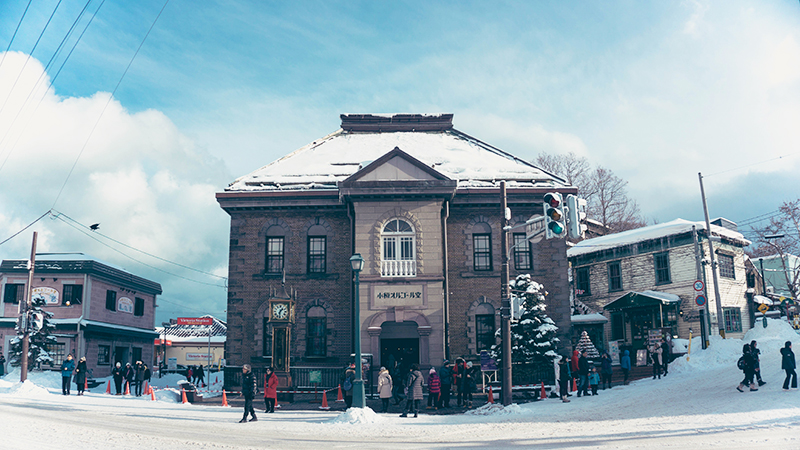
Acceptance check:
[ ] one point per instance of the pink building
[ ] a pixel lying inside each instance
(100, 311)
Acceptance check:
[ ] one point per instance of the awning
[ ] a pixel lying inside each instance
(639, 299)
(589, 318)
(762, 300)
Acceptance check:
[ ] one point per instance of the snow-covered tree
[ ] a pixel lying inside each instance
(585, 343)
(39, 338)
(533, 337)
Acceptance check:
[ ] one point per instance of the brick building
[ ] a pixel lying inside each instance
(420, 201)
(100, 311)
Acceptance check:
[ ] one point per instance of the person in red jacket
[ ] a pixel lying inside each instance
(270, 390)
(434, 390)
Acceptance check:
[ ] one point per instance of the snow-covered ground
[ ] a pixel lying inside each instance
(696, 406)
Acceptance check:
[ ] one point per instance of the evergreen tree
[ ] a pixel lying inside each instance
(585, 343)
(39, 338)
(533, 337)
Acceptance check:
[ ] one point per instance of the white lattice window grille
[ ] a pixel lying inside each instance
(398, 249)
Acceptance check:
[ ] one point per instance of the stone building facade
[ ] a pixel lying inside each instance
(420, 202)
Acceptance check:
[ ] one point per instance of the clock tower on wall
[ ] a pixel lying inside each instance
(278, 326)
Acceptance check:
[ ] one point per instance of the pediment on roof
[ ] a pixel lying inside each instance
(396, 165)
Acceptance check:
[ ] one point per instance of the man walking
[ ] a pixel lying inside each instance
(249, 389)
(583, 371)
(66, 374)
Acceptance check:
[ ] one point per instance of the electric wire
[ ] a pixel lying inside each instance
(751, 165)
(26, 227)
(110, 97)
(15, 33)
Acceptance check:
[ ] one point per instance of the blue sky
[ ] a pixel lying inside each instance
(655, 91)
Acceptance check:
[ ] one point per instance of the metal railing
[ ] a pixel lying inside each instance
(398, 268)
(330, 377)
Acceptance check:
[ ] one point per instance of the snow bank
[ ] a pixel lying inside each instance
(495, 409)
(357, 415)
(28, 389)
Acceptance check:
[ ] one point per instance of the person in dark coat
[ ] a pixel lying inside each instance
(398, 383)
(118, 373)
(754, 350)
(583, 372)
(564, 378)
(201, 375)
(190, 374)
(347, 384)
(2, 364)
(270, 390)
(459, 373)
(80, 375)
(469, 381)
(138, 378)
(749, 370)
(66, 374)
(666, 355)
(625, 365)
(446, 378)
(606, 370)
(414, 388)
(147, 376)
(789, 365)
(249, 389)
(130, 375)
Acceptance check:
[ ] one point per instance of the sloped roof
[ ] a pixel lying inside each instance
(323, 163)
(218, 328)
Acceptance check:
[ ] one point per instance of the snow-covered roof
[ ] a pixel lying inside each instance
(665, 297)
(333, 158)
(677, 226)
(589, 318)
(762, 300)
(187, 333)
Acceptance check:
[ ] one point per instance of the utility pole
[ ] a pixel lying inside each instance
(720, 318)
(505, 300)
(699, 268)
(25, 307)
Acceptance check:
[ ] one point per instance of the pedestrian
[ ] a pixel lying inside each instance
(655, 355)
(756, 352)
(434, 390)
(446, 378)
(469, 383)
(583, 373)
(459, 373)
(80, 375)
(384, 389)
(398, 382)
(414, 389)
(118, 373)
(66, 374)
(789, 365)
(270, 390)
(564, 378)
(147, 376)
(625, 365)
(201, 375)
(666, 355)
(748, 367)
(130, 374)
(249, 389)
(138, 378)
(576, 356)
(594, 380)
(2, 363)
(606, 370)
(347, 384)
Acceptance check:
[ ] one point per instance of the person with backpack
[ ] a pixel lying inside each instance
(788, 364)
(747, 365)
(757, 361)
(414, 388)
(347, 384)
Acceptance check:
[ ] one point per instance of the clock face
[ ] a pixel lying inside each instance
(280, 311)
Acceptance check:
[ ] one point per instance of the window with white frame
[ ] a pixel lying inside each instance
(398, 249)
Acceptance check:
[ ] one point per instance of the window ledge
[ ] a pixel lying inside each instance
(487, 274)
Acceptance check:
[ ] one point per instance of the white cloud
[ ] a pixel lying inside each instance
(147, 185)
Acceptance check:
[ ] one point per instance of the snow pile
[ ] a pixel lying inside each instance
(357, 415)
(28, 389)
(495, 409)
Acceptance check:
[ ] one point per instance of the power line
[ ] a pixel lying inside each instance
(141, 251)
(28, 226)
(110, 97)
(15, 32)
(751, 165)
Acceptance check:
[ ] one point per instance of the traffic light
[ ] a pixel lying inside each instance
(576, 214)
(553, 216)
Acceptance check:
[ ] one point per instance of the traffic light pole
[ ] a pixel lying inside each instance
(25, 307)
(505, 300)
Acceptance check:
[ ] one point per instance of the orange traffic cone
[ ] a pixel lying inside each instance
(108, 388)
(152, 394)
(340, 398)
(127, 388)
(85, 384)
(574, 385)
(183, 396)
(544, 395)
(146, 387)
(224, 398)
(491, 396)
(325, 401)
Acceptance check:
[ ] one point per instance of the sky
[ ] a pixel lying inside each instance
(657, 92)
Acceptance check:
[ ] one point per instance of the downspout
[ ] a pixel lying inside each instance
(446, 283)
(353, 301)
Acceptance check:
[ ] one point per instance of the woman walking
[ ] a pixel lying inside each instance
(384, 389)
(748, 367)
(788, 364)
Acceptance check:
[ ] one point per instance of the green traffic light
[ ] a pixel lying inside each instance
(556, 227)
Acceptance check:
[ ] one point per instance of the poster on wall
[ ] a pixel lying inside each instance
(49, 294)
(641, 357)
(125, 305)
(613, 352)
(172, 363)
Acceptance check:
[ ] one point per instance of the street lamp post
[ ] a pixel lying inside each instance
(359, 401)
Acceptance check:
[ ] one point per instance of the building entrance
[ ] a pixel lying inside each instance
(121, 355)
(399, 344)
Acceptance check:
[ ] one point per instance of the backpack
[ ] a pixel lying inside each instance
(740, 363)
(348, 384)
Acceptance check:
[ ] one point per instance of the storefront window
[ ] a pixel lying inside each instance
(733, 319)
(103, 355)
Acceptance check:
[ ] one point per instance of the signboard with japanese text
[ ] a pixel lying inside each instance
(49, 295)
(195, 321)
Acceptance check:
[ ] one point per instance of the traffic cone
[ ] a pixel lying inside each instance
(340, 398)
(574, 385)
(86, 384)
(108, 388)
(325, 401)
(224, 398)
(127, 388)
(146, 387)
(183, 396)
(491, 396)
(152, 394)
(544, 395)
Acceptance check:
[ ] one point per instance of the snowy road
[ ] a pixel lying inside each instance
(695, 407)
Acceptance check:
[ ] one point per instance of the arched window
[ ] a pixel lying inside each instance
(484, 327)
(482, 247)
(316, 332)
(398, 249)
(316, 259)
